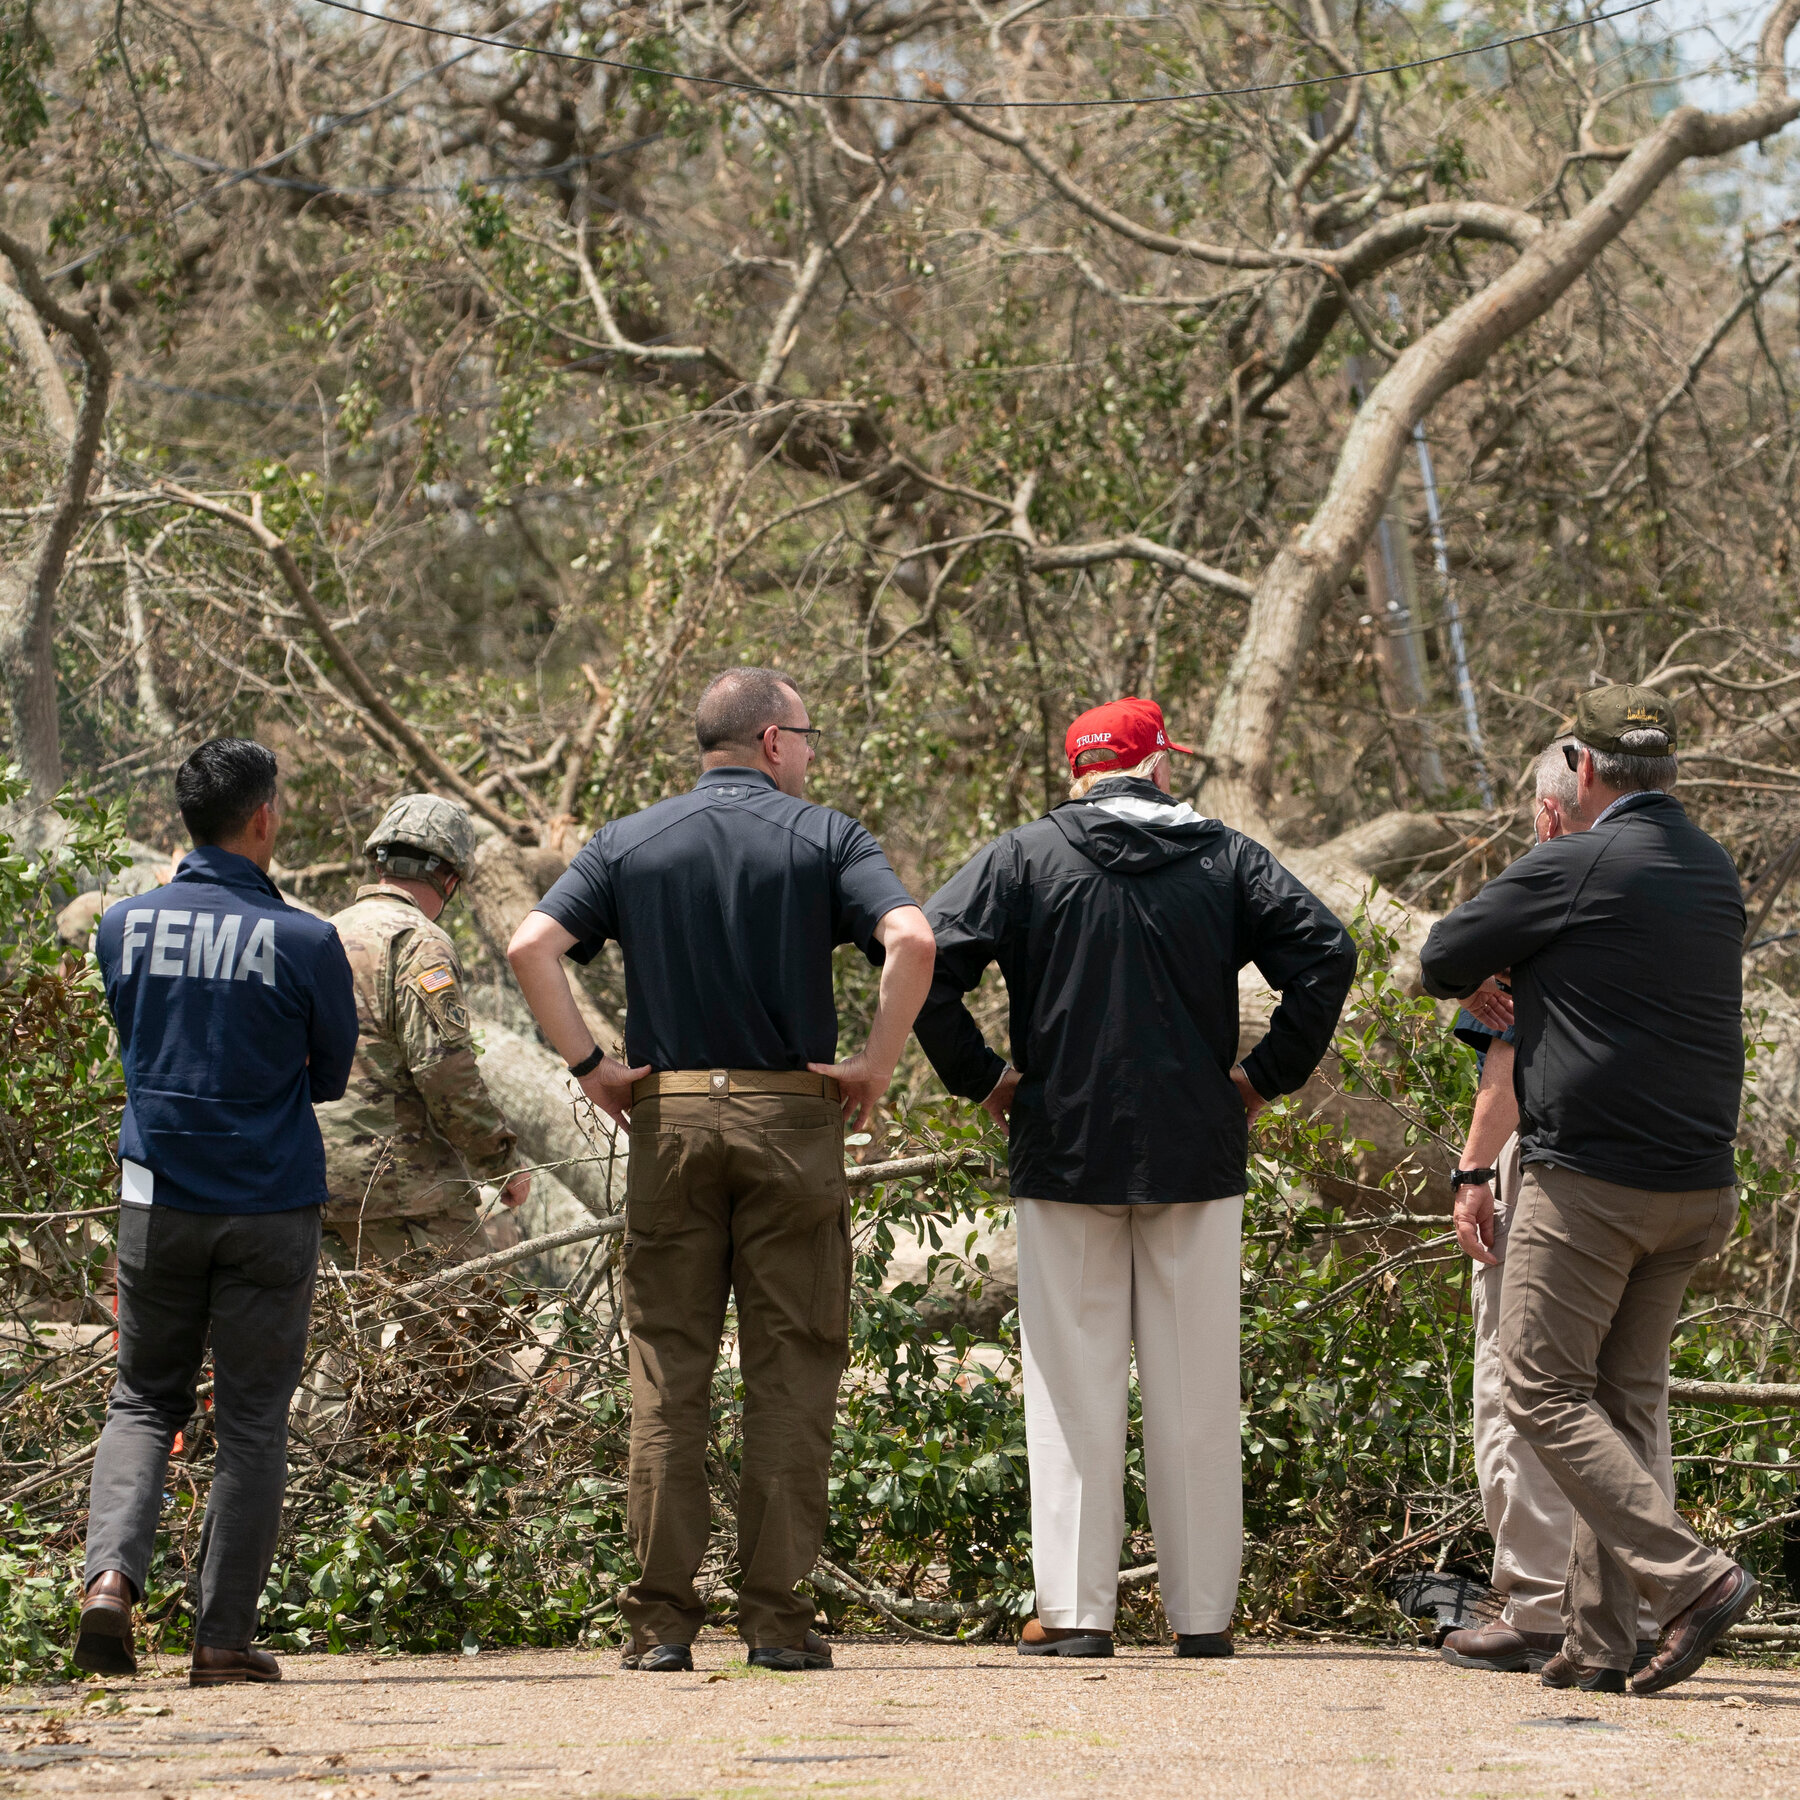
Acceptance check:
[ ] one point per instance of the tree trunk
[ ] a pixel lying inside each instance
(1242, 743)
(28, 590)
(545, 1107)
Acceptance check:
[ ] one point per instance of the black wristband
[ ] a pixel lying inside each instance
(1463, 1178)
(588, 1063)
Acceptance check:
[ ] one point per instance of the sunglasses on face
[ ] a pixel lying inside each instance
(1572, 756)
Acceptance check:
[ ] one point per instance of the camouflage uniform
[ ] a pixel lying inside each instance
(416, 1114)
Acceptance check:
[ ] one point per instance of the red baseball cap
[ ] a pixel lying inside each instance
(1129, 729)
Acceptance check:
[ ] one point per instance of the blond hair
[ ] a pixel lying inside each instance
(1145, 771)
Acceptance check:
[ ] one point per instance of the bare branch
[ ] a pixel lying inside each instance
(420, 753)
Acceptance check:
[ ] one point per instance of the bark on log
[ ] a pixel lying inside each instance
(506, 882)
(542, 1104)
(1736, 1393)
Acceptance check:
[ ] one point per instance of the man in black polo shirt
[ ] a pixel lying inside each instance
(1625, 943)
(727, 903)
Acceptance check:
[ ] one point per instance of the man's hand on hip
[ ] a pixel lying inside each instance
(609, 1087)
(861, 1085)
(517, 1190)
(998, 1104)
(1475, 1223)
(1253, 1101)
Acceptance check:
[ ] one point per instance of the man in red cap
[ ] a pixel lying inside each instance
(1120, 923)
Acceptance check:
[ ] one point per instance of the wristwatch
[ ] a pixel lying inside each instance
(588, 1063)
(1472, 1178)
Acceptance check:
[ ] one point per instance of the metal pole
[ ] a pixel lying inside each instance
(1440, 556)
(1459, 650)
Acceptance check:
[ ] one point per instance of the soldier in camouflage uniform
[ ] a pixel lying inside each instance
(416, 1129)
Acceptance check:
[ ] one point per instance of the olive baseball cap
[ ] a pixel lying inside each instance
(1603, 716)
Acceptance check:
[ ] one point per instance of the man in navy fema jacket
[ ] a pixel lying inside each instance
(235, 1014)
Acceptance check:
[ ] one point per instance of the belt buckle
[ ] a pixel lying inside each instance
(719, 1083)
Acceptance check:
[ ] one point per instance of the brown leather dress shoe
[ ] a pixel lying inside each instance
(229, 1668)
(1560, 1672)
(1503, 1649)
(1690, 1635)
(1038, 1639)
(103, 1642)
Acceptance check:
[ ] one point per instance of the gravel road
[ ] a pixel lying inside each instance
(1320, 1722)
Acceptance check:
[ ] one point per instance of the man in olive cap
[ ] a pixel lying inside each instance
(1624, 944)
(417, 1129)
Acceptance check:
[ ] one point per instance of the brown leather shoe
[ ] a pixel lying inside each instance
(1561, 1672)
(103, 1642)
(1690, 1635)
(1503, 1649)
(1038, 1639)
(229, 1668)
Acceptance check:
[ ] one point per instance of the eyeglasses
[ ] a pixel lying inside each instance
(1572, 756)
(812, 733)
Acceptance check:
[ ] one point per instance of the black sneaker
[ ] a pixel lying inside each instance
(814, 1653)
(1204, 1643)
(658, 1659)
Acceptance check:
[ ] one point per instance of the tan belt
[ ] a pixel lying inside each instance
(721, 1084)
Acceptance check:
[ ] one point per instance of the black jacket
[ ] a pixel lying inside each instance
(1121, 939)
(1626, 949)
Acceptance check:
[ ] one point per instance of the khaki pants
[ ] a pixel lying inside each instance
(1095, 1283)
(1595, 1275)
(1527, 1515)
(741, 1195)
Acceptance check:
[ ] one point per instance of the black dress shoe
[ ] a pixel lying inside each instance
(1204, 1643)
(812, 1653)
(1690, 1635)
(231, 1668)
(1560, 1672)
(103, 1641)
(659, 1659)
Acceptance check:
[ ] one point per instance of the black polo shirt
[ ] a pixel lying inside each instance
(1626, 947)
(728, 902)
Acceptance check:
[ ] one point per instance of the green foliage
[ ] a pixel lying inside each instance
(451, 1522)
(60, 1085)
(24, 53)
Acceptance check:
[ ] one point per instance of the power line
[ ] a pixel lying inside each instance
(784, 93)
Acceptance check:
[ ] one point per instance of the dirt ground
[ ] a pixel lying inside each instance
(908, 1719)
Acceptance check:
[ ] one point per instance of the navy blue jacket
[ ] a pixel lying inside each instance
(236, 1013)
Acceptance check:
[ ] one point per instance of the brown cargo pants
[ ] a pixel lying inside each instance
(740, 1195)
(1594, 1278)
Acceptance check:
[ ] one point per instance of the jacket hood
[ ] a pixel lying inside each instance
(1132, 827)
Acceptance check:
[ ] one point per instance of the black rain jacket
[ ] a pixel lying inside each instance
(1626, 947)
(1121, 940)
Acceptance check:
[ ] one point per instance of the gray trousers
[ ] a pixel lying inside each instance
(245, 1280)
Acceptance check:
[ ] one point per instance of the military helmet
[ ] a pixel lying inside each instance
(420, 833)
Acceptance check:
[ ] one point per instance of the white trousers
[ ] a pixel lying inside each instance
(1095, 1281)
(1527, 1515)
